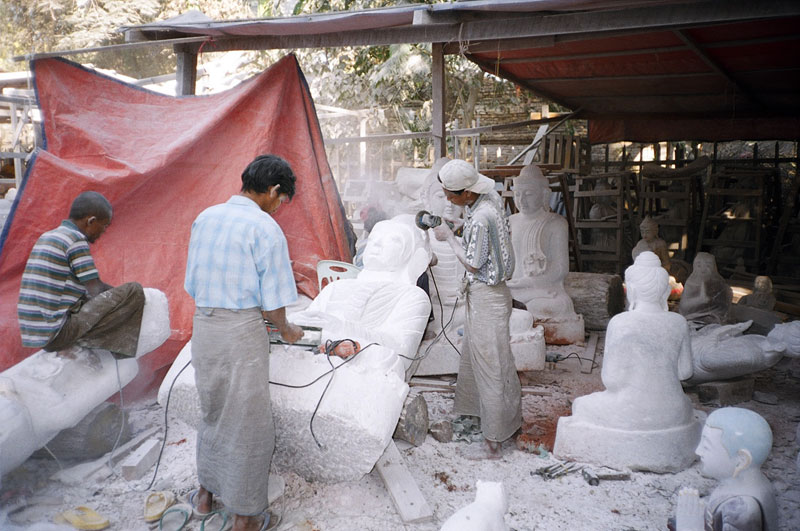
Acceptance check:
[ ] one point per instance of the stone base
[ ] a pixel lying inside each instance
(669, 450)
(528, 349)
(354, 423)
(564, 332)
(726, 392)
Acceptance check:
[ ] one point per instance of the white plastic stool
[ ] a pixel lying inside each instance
(330, 270)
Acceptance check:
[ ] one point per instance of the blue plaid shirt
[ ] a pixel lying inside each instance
(239, 259)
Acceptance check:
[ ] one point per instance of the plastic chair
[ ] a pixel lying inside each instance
(330, 270)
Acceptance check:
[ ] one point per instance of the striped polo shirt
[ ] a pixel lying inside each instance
(58, 267)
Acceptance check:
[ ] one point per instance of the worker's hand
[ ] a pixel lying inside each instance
(291, 333)
(456, 223)
(442, 232)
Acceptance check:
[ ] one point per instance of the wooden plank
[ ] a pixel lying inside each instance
(409, 501)
(591, 350)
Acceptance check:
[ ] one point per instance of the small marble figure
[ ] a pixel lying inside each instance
(734, 444)
(643, 420)
(762, 297)
(706, 296)
(541, 254)
(650, 241)
(485, 513)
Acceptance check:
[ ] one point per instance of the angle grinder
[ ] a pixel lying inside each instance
(312, 336)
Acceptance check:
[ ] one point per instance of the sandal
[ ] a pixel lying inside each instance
(156, 503)
(213, 518)
(175, 518)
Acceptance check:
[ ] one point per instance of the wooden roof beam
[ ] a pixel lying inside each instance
(716, 67)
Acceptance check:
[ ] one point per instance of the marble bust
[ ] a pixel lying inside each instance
(706, 296)
(762, 297)
(642, 420)
(734, 444)
(650, 241)
(541, 252)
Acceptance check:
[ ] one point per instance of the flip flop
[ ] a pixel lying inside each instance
(271, 521)
(175, 518)
(156, 503)
(219, 520)
(82, 518)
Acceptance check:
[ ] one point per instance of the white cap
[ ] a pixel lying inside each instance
(461, 175)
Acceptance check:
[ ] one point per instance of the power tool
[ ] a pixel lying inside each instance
(312, 336)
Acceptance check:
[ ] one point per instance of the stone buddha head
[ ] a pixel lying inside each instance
(762, 285)
(647, 282)
(733, 439)
(705, 265)
(395, 251)
(531, 191)
(648, 228)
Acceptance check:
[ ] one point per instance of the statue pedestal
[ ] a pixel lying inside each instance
(564, 331)
(664, 450)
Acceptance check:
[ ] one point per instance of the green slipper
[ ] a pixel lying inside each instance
(175, 518)
(219, 520)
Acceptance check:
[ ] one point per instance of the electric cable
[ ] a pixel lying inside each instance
(330, 346)
(441, 311)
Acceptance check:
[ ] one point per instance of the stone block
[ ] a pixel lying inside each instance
(442, 431)
(413, 423)
(727, 392)
(93, 436)
(440, 357)
(141, 460)
(354, 421)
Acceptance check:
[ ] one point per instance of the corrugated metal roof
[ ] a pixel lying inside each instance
(611, 59)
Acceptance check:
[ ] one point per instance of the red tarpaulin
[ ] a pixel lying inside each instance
(161, 160)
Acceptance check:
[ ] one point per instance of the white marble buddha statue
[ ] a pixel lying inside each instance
(706, 295)
(650, 241)
(541, 252)
(734, 444)
(383, 304)
(642, 420)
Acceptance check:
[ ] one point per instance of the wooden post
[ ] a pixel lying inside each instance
(439, 100)
(605, 166)
(186, 74)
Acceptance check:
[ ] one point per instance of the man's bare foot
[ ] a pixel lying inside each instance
(494, 446)
(249, 523)
(203, 500)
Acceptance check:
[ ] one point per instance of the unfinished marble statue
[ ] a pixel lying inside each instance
(447, 271)
(706, 296)
(735, 443)
(642, 420)
(721, 352)
(650, 241)
(383, 304)
(762, 297)
(52, 391)
(541, 253)
(486, 513)
(384, 311)
(439, 351)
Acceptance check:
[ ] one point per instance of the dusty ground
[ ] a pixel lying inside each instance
(445, 477)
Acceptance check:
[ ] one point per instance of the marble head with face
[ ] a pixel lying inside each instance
(531, 191)
(733, 439)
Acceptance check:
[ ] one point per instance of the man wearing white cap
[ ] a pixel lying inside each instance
(488, 385)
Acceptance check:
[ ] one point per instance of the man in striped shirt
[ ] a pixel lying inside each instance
(62, 301)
